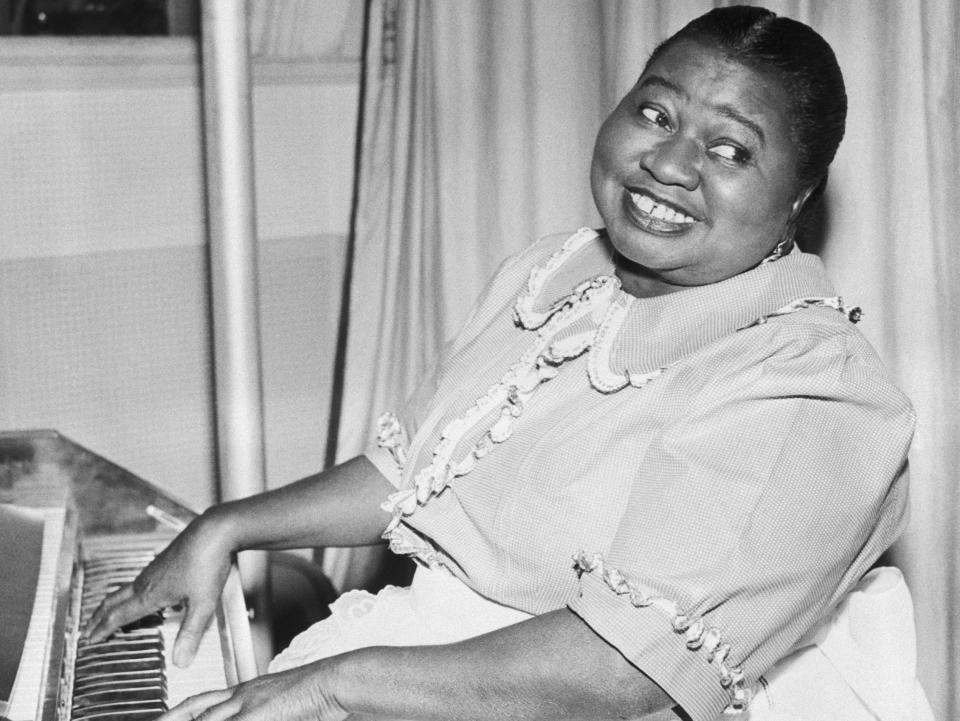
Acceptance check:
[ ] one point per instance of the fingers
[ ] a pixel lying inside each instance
(210, 706)
(118, 609)
(191, 631)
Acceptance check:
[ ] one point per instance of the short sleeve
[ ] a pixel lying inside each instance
(749, 517)
(386, 451)
(384, 462)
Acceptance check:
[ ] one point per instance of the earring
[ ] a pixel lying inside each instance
(782, 248)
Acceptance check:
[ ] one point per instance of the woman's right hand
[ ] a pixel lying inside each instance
(190, 571)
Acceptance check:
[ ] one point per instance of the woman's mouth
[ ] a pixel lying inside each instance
(655, 216)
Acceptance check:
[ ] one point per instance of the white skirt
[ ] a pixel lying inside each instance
(436, 608)
(859, 664)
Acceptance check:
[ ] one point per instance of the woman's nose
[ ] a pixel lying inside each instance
(674, 161)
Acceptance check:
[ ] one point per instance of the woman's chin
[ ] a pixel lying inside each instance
(647, 274)
(651, 251)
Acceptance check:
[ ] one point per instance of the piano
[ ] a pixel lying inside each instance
(85, 527)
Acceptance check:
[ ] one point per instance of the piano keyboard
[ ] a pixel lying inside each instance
(98, 528)
(128, 677)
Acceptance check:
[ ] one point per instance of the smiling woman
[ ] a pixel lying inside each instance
(695, 173)
(648, 474)
(715, 152)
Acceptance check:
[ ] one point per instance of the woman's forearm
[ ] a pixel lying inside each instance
(550, 667)
(337, 507)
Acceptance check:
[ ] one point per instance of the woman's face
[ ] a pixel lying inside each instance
(694, 172)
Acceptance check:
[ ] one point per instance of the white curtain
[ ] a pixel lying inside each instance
(479, 124)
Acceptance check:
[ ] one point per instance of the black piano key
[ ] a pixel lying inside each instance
(120, 659)
(142, 664)
(154, 694)
(125, 639)
(138, 711)
(122, 642)
(142, 634)
(133, 715)
(152, 620)
(151, 645)
(141, 646)
(138, 685)
(100, 680)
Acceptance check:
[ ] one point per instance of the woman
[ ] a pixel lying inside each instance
(679, 403)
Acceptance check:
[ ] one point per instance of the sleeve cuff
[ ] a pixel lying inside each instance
(384, 462)
(646, 638)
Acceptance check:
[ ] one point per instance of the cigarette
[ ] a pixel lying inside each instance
(165, 518)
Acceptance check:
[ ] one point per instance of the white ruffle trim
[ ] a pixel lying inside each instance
(853, 314)
(523, 312)
(602, 377)
(501, 406)
(504, 401)
(390, 437)
(698, 636)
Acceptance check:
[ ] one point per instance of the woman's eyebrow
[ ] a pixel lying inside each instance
(726, 111)
(661, 82)
(733, 114)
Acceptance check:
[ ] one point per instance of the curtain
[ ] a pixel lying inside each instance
(479, 124)
(468, 136)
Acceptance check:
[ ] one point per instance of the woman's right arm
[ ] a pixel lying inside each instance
(338, 507)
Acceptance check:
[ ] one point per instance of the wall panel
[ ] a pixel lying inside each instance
(104, 322)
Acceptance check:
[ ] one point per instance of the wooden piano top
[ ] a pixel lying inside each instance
(45, 468)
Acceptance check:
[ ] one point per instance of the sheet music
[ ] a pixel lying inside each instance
(31, 672)
(21, 547)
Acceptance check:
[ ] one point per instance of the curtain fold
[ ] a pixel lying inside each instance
(466, 158)
(481, 119)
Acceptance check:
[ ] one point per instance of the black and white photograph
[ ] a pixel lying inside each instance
(479, 360)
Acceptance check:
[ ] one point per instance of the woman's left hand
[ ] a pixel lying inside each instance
(299, 694)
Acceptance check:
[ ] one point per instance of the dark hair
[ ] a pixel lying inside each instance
(799, 58)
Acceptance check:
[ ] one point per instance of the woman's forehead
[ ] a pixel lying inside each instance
(704, 75)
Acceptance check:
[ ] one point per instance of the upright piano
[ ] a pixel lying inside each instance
(74, 526)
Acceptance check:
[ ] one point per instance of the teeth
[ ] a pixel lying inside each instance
(647, 205)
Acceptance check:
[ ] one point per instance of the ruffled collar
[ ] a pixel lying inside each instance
(636, 338)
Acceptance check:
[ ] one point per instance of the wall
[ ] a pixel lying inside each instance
(104, 327)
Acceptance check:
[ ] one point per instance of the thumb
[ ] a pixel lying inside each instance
(191, 631)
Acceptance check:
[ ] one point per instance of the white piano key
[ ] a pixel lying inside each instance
(206, 673)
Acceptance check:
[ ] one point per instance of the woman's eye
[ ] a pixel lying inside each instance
(731, 152)
(657, 117)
